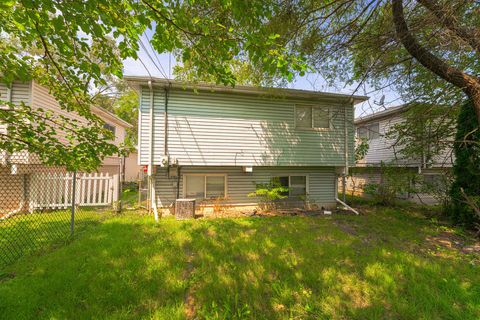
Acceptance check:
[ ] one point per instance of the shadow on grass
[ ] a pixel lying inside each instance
(258, 268)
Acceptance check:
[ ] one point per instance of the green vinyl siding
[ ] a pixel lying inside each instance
(321, 183)
(232, 129)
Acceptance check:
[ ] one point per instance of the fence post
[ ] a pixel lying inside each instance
(74, 193)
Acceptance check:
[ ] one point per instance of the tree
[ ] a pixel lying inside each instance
(465, 191)
(74, 47)
(427, 132)
(423, 51)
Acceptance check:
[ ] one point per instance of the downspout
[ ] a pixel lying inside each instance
(345, 172)
(165, 129)
(151, 178)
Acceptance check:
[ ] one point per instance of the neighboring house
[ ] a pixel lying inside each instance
(37, 96)
(374, 129)
(213, 142)
(16, 168)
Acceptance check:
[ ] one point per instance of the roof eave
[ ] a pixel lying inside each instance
(137, 81)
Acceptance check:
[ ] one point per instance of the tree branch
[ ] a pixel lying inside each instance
(449, 21)
(468, 83)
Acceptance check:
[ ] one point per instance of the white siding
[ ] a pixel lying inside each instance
(383, 149)
(240, 184)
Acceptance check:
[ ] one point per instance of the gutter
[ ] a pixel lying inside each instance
(151, 178)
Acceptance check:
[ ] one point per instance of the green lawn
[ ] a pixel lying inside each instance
(386, 264)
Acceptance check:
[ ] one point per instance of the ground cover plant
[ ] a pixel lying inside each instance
(388, 263)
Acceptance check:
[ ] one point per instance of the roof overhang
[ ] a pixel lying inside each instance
(110, 116)
(137, 81)
(383, 114)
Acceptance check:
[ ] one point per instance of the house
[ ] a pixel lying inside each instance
(16, 168)
(374, 128)
(212, 142)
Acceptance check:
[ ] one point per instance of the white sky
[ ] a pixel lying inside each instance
(161, 65)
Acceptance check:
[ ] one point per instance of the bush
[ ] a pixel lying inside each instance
(465, 190)
(395, 182)
(270, 194)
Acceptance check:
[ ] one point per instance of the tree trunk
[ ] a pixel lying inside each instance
(468, 83)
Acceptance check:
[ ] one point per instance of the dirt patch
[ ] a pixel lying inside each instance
(348, 229)
(450, 240)
(188, 299)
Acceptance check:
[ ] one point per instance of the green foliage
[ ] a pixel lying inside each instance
(395, 182)
(339, 267)
(270, 193)
(427, 132)
(74, 47)
(465, 190)
(361, 149)
(355, 41)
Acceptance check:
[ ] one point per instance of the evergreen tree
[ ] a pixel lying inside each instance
(465, 191)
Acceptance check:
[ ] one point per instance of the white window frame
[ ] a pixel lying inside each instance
(369, 131)
(307, 180)
(205, 175)
(312, 128)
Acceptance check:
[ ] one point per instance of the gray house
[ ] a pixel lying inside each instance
(213, 142)
(382, 148)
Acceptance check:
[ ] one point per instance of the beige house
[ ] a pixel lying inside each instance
(16, 168)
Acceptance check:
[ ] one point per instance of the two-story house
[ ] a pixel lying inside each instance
(374, 128)
(17, 168)
(208, 142)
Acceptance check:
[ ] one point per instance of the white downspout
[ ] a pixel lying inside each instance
(345, 172)
(151, 178)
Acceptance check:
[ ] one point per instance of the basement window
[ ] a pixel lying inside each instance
(296, 184)
(312, 117)
(203, 186)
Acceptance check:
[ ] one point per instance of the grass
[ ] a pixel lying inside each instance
(23, 234)
(386, 264)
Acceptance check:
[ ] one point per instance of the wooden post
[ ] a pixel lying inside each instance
(74, 191)
(116, 195)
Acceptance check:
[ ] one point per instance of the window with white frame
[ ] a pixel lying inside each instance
(296, 184)
(312, 117)
(208, 186)
(371, 131)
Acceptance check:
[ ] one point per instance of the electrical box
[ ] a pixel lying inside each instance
(247, 169)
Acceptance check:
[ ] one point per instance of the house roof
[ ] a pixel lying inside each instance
(112, 117)
(382, 114)
(137, 81)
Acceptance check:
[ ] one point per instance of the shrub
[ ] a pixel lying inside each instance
(270, 194)
(395, 182)
(465, 190)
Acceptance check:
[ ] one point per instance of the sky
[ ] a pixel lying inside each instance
(150, 63)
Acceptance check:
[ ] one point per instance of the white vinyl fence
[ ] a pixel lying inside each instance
(54, 190)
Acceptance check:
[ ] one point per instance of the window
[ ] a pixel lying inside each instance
(311, 117)
(362, 133)
(370, 132)
(373, 131)
(297, 184)
(109, 127)
(205, 186)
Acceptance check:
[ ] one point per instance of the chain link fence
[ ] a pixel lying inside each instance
(41, 205)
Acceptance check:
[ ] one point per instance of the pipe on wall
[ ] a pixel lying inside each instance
(151, 179)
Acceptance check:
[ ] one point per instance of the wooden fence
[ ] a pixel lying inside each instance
(54, 190)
